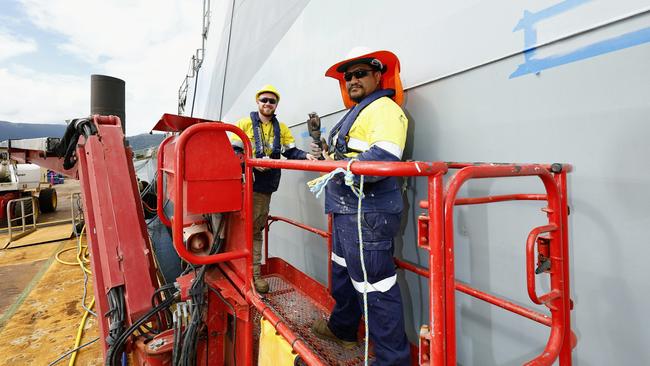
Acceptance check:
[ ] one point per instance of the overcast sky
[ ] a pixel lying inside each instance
(49, 49)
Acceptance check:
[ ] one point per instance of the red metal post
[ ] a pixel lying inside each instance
(565, 351)
(267, 226)
(120, 253)
(99, 286)
(438, 304)
(160, 193)
(330, 224)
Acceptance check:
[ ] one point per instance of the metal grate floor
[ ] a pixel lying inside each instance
(300, 311)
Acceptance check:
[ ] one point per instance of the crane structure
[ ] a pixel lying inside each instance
(211, 314)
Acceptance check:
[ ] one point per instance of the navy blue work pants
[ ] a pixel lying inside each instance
(385, 311)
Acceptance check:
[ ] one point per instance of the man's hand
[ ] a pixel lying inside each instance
(310, 157)
(261, 168)
(317, 151)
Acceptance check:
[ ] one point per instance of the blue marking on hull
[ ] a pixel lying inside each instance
(627, 40)
(533, 65)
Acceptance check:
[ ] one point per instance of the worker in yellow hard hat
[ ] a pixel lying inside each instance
(374, 128)
(271, 139)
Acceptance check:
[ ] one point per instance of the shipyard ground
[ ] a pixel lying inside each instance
(40, 301)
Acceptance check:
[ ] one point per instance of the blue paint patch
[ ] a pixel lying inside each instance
(610, 45)
(530, 19)
(527, 23)
(305, 134)
(532, 65)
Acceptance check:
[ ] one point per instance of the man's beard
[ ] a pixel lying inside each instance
(359, 98)
(266, 114)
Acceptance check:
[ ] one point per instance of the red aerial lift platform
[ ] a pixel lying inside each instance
(210, 315)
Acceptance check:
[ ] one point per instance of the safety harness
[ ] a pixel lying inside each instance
(257, 134)
(342, 128)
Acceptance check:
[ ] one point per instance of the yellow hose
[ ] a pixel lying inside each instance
(82, 252)
(79, 252)
(80, 332)
(56, 256)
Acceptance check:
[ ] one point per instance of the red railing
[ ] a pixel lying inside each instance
(442, 349)
(324, 234)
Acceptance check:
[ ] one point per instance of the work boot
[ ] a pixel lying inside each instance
(322, 331)
(261, 285)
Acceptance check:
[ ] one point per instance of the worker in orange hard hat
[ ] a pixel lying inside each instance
(271, 139)
(374, 128)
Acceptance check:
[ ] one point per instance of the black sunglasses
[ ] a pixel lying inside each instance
(357, 74)
(268, 100)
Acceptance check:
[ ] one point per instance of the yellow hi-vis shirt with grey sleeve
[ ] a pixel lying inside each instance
(287, 141)
(378, 133)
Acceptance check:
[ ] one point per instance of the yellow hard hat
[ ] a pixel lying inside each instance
(268, 88)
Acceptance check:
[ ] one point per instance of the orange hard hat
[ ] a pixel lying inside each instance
(384, 61)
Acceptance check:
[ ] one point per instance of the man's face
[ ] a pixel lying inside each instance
(360, 86)
(266, 104)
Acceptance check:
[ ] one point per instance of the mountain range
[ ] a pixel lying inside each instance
(11, 130)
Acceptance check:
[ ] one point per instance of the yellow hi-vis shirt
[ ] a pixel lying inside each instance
(246, 124)
(383, 124)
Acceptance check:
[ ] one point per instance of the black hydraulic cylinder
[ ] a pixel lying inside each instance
(107, 97)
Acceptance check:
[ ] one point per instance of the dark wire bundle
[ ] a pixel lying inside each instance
(113, 356)
(190, 336)
(116, 315)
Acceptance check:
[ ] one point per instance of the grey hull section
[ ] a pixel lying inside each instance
(553, 81)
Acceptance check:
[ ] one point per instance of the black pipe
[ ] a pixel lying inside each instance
(107, 97)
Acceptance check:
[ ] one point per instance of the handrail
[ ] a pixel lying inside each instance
(492, 199)
(272, 219)
(377, 168)
(530, 260)
(22, 218)
(492, 299)
(325, 234)
(555, 167)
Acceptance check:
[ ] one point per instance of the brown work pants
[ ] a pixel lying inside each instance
(261, 203)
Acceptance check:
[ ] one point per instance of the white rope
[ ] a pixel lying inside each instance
(363, 268)
(349, 181)
(316, 186)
